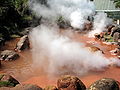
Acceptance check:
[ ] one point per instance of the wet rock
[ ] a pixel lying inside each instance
(23, 44)
(50, 88)
(8, 55)
(62, 23)
(7, 81)
(99, 36)
(116, 36)
(104, 84)
(110, 28)
(27, 87)
(95, 49)
(115, 29)
(88, 26)
(68, 82)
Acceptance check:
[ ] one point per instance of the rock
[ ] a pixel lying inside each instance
(68, 82)
(27, 87)
(8, 55)
(98, 36)
(115, 29)
(116, 36)
(50, 88)
(104, 84)
(62, 23)
(7, 81)
(118, 42)
(23, 43)
(110, 28)
(95, 49)
(87, 26)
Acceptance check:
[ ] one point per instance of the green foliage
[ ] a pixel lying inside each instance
(6, 84)
(117, 3)
(14, 15)
(108, 38)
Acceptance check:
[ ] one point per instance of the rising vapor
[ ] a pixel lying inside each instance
(74, 11)
(57, 53)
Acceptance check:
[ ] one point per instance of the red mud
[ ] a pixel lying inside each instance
(22, 70)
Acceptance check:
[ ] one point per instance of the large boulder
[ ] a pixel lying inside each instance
(50, 88)
(7, 81)
(115, 29)
(105, 84)
(68, 82)
(23, 43)
(27, 87)
(8, 55)
(116, 36)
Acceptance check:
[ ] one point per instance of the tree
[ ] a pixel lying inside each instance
(117, 3)
(12, 16)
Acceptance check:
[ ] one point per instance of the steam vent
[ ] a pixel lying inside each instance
(59, 44)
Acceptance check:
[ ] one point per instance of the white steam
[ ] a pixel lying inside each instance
(74, 11)
(58, 54)
(100, 22)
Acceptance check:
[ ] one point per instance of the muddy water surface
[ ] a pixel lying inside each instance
(22, 69)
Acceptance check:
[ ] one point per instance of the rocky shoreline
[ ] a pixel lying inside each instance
(66, 82)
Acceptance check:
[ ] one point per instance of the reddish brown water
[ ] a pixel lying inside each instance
(23, 71)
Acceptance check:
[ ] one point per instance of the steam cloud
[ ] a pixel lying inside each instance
(57, 53)
(100, 22)
(74, 11)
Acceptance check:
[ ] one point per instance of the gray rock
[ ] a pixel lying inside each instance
(116, 36)
(8, 55)
(115, 29)
(23, 43)
(104, 84)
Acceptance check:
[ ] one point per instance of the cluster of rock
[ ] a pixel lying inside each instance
(111, 35)
(9, 55)
(65, 82)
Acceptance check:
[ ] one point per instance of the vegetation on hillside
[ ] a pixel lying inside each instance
(14, 15)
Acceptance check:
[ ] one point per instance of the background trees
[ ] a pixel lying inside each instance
(117, 3)
(14, 15)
